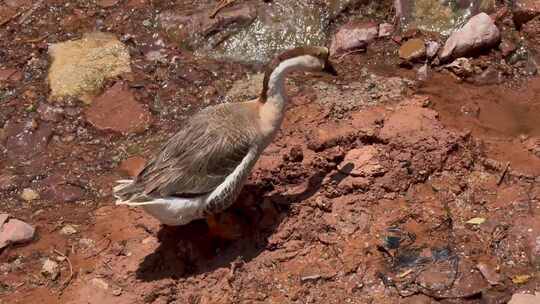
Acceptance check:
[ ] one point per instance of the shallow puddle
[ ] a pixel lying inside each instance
(501, 116)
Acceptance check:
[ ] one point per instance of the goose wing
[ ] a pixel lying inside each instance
(199, 157)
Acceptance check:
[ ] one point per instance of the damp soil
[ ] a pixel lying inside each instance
(306, 228)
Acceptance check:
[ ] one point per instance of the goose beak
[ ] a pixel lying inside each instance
(328, 68)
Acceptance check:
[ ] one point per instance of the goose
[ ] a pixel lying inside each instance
(200, 171)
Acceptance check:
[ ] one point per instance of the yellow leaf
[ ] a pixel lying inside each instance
(521, 279)
(406, 273)
(476, 221)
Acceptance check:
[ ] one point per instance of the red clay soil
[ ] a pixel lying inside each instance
(437, 203)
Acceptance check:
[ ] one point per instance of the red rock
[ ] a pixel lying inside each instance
(27, 139)
(15, 231)
(353, 35)
(59, 190)
(479, 33)
(487, 268)
(439, 280)
(418, 299)
(132, 166)
(117, 110)
(3, 218)
(10, 75)
(411, 123)
(107, 3)
(8, 182)
(525, 10)
(524, 298)
(385, 30)
(362, 162)
(507, 47)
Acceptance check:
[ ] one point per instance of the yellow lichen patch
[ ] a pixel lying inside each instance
(80, 67)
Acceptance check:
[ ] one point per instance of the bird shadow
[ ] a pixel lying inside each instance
(193, 249)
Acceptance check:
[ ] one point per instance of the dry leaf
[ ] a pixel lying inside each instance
(521, 279)
(476, 221)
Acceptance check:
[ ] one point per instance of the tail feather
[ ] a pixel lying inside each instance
(127, 192)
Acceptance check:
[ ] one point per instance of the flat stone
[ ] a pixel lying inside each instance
(362, 162)
(487, 269)
(353, 35)
(525, 10)
(132, 166)
(58, 189)
(50, 269)
(439, 280)
(7, 75)
(413, 49)
(524, 298)
(117, 110)
(14, 232)
(80, 67)
(479, 33)
(63, 193)
(29, 195)
(26, 139)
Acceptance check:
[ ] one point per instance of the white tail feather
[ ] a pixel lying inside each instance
(121, 185)
(131, 204)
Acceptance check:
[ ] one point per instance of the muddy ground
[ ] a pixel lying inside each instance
(442, 207)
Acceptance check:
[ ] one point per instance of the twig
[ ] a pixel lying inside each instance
(7, 20)
(101, 250)
(361, 50)
(38, 39)
(503, 174)
(68, 280)
(30, 11)
(223, 4)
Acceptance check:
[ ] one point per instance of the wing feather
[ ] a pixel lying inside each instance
(200, 156)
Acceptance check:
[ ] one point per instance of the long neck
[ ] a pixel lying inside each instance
(275, 92)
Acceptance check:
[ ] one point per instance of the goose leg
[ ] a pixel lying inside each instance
(225, 226)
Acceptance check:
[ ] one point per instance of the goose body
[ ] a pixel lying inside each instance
(202, 168)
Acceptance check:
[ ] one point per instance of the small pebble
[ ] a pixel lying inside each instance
(29, 195)
(68, 230)
(50, 269)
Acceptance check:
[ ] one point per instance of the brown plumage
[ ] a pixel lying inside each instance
(202, 168)
(199, 157)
